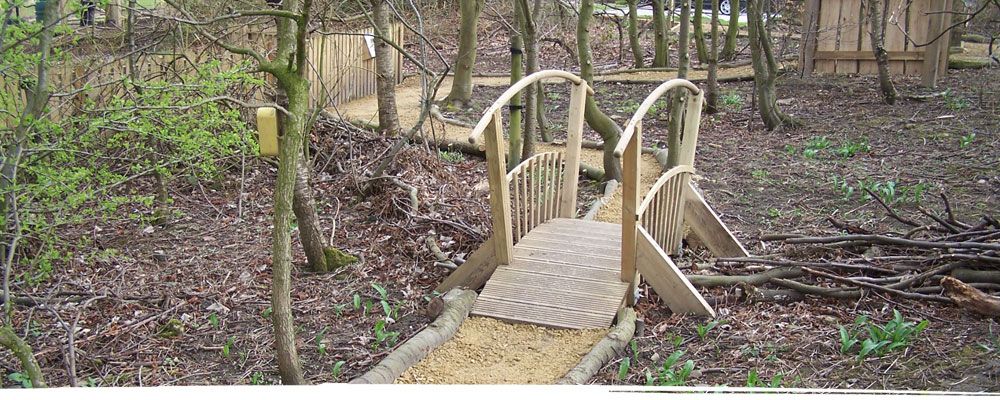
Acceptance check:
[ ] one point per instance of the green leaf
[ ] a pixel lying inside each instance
(623, 368)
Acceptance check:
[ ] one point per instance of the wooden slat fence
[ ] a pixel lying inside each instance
(837, 41)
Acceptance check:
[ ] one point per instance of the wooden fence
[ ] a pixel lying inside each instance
(837, 40)
(341, 68)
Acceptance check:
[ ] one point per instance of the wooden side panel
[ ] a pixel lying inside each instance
(476, 270)
(705, 224)
(667, 280)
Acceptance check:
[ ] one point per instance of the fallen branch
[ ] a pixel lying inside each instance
(442, 259)
(457, 304)
(971, 298)
(604, 351)
(880, 239)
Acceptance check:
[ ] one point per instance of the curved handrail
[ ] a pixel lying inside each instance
(515, 89)
(645, 106)
(680, 169)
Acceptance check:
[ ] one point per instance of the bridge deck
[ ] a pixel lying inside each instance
(565, 274)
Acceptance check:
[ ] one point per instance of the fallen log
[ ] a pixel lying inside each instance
(604, 351)
(457, 304)
(971, 298)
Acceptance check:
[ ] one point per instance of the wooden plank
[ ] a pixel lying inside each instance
(866, 66)
(474, 272)
(574, 139)
(916, 25)
(524, 312)
(561, 236)
(563, 270)
(895, 40)
(705, 224)
(826, 36)
(499, 195)
(564, 257)
(850, 31)
(944, 46)
(581, 246)
(559, 284)
(810, 23)
(868, 55)
(667, 280)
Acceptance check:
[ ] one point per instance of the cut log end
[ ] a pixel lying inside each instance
(971, 298)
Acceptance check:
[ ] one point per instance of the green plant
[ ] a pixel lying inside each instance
(791, 150)
(845, 189)
(387, 308)
(319, 339)
(384, 337)
(623, 368)
(966, 140)
(228, 346)
(20, 378)
(257, 378)
(267, 312)
(213, 320)
(850, 149)
(702, 330)
(337, 369)
(881, 339)
(773, 213)
(753, 380)
(954, 102)
(815, 145)
(668, 374)
(732, 99)
(628, 106)
(356, 302)
(760, 175)
(453, 157)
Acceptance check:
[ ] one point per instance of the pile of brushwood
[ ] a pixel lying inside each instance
(939, 258)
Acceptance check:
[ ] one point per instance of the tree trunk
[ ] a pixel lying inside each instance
(729, 48)
(699, 34)
(288, 67)
(660, 43)
(529, 37)
(385, 81)
(596, 119)
(712, 93)
(765, 69)
(633, 33)
(461, 86)
(307, 219)
(113, 12)
(22, 351)
(677, 107)
(514, 128)
(876, 32)
(543, 125)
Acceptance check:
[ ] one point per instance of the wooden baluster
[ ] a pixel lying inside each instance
(682, 182)
(524, 199)
(517, 207)
(558, 185)
(663, 216)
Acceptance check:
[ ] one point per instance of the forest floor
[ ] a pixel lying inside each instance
(207, 270)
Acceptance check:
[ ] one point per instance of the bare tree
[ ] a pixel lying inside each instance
(765, 69)
(385, 85)
(677, 104)
(633, 34)
(596, 119)
(712, 93)
(461, 86)
(660, 40)
(877, 15)
(732, 30)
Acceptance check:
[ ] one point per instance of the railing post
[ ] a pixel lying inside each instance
(630, 204)
(692, 122)
(496, 169)
(574, 139)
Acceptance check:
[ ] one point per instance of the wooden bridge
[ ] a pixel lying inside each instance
(543, 266)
